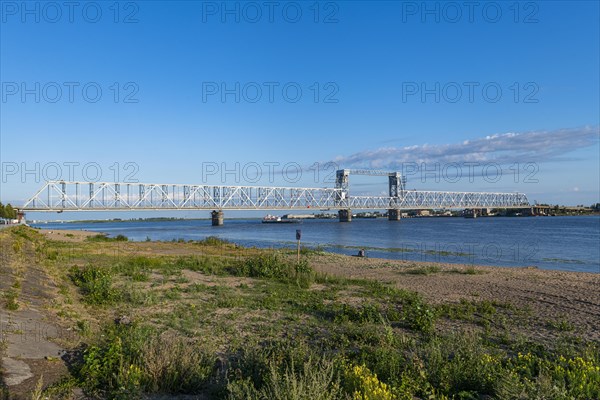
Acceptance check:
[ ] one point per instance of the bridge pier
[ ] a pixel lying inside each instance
(345, 215)
(394, 214)
(217, 218)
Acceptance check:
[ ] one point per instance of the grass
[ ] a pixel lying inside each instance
(467, 271)
(95, 284)
(562, 325)
(11, 300)
(424, 270)
(213, 241)
(105, 238)
(263, 326)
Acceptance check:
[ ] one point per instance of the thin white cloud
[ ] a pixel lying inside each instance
(505, 148)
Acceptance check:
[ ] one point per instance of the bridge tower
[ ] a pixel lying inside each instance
(396, 186)
(342, 182)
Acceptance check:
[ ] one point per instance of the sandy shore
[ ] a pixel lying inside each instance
(67, 235)
(549, 295)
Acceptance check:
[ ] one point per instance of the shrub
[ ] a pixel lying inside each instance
(213, 241)
(315, 381)
(283, 372)
(24, 232)
(171, 365)
(562, 377)
(419, 315)
(460, 363)
(137, 267)
(104, 238)
(364, 385)
(273, 266)
(12, 303)
(95, 283)
(424, 270)
(132, 360)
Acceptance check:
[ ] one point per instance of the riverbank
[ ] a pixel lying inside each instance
(569, 244)
(571, 297)
(215, 320)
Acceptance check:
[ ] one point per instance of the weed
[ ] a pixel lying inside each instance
(424, 270)
(562, 325)
(363, 384)
(83, 327)
(467, 271)
(11, 298)
(131, 360)
(419, 315)
(105, 238)
(207, 265)
(213, 241)
(95, 283)
(38, 392)
(137, 268)
(273, 266)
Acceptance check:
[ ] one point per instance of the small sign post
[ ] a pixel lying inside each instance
(298, 237)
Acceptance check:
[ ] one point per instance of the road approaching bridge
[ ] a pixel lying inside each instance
(59, 196)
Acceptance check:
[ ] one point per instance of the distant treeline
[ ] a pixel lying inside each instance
(7, 211)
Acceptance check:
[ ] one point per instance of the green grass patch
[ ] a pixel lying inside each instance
(423, 270)
(105, 238)
(562, 325)
(96, 284)
(11, 300)
(213, 241)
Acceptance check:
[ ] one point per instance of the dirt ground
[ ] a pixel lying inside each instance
(67, 236)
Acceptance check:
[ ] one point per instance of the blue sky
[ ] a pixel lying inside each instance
(399, 84)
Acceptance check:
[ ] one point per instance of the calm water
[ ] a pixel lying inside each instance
(565, 243)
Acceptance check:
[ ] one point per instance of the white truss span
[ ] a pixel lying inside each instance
(110, 196)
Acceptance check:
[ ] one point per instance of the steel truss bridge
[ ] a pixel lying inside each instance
(58, 196)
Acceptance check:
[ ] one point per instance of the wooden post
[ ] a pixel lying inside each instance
(298, 237)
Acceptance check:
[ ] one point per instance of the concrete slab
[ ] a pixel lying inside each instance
(15, 371)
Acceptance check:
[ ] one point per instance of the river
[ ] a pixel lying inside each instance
(563, 243)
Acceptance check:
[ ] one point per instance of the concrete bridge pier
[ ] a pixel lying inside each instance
(217, 218)
(394, 214)
(345, 215)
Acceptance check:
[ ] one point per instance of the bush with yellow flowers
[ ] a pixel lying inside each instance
(577, 377)
(580, 376)
(364, 384)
